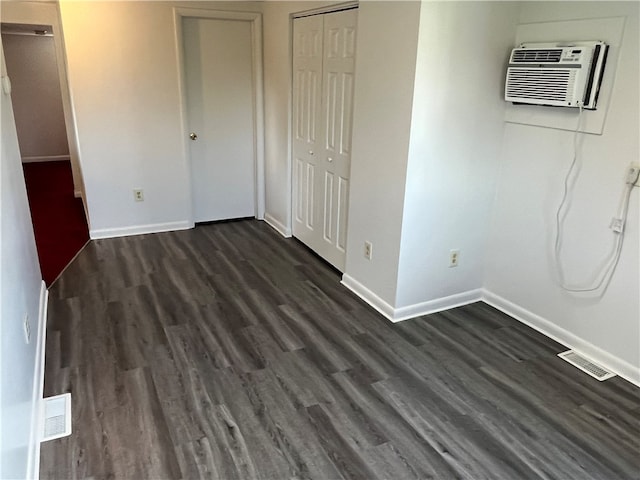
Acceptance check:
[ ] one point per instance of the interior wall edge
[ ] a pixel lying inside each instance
(33, 461)
(71, 122)
(437, 305)
(368, 296)
(277, 225)
(408, 312)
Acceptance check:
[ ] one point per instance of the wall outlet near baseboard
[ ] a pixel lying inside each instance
(368, 250)
(454, 256)
(138, 195)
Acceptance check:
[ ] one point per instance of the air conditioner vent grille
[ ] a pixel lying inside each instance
(556, 85)
(537, 56)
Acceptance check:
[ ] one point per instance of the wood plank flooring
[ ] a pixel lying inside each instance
(229, 352)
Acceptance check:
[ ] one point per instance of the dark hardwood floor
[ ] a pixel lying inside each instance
(229, 352)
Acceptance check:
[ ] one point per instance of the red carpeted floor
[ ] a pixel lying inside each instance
(58, 217)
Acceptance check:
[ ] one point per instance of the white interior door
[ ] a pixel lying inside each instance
(324, 67)
(220, 116)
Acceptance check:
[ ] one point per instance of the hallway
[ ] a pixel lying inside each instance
(59, 221)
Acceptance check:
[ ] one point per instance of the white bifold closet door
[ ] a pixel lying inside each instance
(324, 49)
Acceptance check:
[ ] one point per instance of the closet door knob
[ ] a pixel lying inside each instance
(193, 136)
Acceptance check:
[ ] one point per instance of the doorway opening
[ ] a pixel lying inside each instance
(57, 211)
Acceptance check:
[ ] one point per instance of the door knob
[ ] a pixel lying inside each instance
(311, 152)
(193, 136)
(329, 159)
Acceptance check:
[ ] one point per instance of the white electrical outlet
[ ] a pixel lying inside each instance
(27, 328)
(138, 195)
(368, 250)
(454, 256)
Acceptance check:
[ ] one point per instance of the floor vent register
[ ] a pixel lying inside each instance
(56, 418)
(586, 365)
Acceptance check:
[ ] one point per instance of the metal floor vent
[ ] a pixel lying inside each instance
(586, 365)
(56, 417)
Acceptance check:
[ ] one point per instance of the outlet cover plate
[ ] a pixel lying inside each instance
(368, 250)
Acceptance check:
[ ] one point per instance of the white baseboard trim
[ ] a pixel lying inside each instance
(33, 459)
(368, 296)
(438, 305)
(615, 364)
(139, 229)
(410, 311)
(46, 158)
(277, 225)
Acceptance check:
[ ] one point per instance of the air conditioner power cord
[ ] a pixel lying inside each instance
(603, 278)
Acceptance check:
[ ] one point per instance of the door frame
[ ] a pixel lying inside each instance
(336, 7)
(49, 14)
(255, 20)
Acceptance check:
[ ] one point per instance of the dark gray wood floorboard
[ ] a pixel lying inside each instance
(229, 352)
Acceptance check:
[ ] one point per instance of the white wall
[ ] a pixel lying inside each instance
(427, 132)
(20, 284)
(456, 133)
(37, 102)
(534, 160)
(385, 72)
(123, 73)
(130, 131)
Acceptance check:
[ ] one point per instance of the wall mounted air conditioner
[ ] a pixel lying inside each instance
(564, 74)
